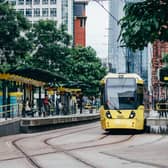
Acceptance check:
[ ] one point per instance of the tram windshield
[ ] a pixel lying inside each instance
(121, 93)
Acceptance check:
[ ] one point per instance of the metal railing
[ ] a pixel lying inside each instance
(162, 106)
(10, 110)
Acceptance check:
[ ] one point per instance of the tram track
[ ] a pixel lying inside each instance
(149, 143)
(32, 160)
(93, 146)
(28, 157)
(113, 155)
(90, 144)
(69, 151)
(139, 161)
(135, 160)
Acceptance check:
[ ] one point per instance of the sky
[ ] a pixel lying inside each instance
(97, 28)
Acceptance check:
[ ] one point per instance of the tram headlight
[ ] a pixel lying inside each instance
(132, 114)
(108, 115)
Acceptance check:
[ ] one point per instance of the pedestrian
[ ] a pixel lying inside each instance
(28, 107)
(162, 107)
(74, 104)
(71, 104)
(80, 102)
(46, 103)
(61, 107)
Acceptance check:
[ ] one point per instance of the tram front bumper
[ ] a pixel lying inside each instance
(120, 124)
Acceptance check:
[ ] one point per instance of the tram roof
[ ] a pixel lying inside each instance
(123, 75)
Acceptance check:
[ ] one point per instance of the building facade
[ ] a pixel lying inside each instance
(68, 12)
(116, 54)
(158, 88)
(146, 63)
(123, 59)
(80, 22)
(60, 11)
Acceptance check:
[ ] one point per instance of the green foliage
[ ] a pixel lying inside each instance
(13, 45)
(165, 59)
(144, 22)
(50, 46)
(86, 68)
(47, 47)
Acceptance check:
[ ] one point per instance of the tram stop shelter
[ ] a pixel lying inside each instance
(38, 75)
(24, 78)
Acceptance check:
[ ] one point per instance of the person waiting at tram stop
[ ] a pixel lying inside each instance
(61, 108)
(27, 108)
(46, 104)
(73, 104)
(162, 107)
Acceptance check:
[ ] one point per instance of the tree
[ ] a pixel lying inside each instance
(144, 22)
(165, 59)
(84, 67)
(14, 44)
(51, 46)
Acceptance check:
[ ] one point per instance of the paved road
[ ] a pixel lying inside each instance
(84, 146)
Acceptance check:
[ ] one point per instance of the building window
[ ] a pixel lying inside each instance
(28, 12)
(20, 2)
(21, 11)
(36, 2)
(45, 12)
(82, 22)
(53, 12)
(13, 2)
(53, 2)
(28, 2)
(64, 11)
(79, 9)
(37, 12)
(44, 2)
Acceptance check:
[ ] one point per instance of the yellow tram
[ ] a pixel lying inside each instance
(122, 102)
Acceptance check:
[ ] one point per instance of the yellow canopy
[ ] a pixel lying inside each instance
(63, 89)
(17, 78)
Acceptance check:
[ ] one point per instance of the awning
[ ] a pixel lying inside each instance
(39, 75)
(21, 79)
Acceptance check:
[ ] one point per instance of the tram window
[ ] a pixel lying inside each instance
(102, 98)
(140, 94)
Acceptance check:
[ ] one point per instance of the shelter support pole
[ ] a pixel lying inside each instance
(5, 96)
(40, 101)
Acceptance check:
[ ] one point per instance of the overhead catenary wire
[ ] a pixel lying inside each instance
(98, 2)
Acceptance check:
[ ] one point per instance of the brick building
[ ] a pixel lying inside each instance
(80, 22)
(159, 50)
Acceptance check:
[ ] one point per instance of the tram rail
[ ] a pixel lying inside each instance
(96, 143)
(30, 157)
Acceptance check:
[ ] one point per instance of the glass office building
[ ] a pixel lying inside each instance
(122, 59)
